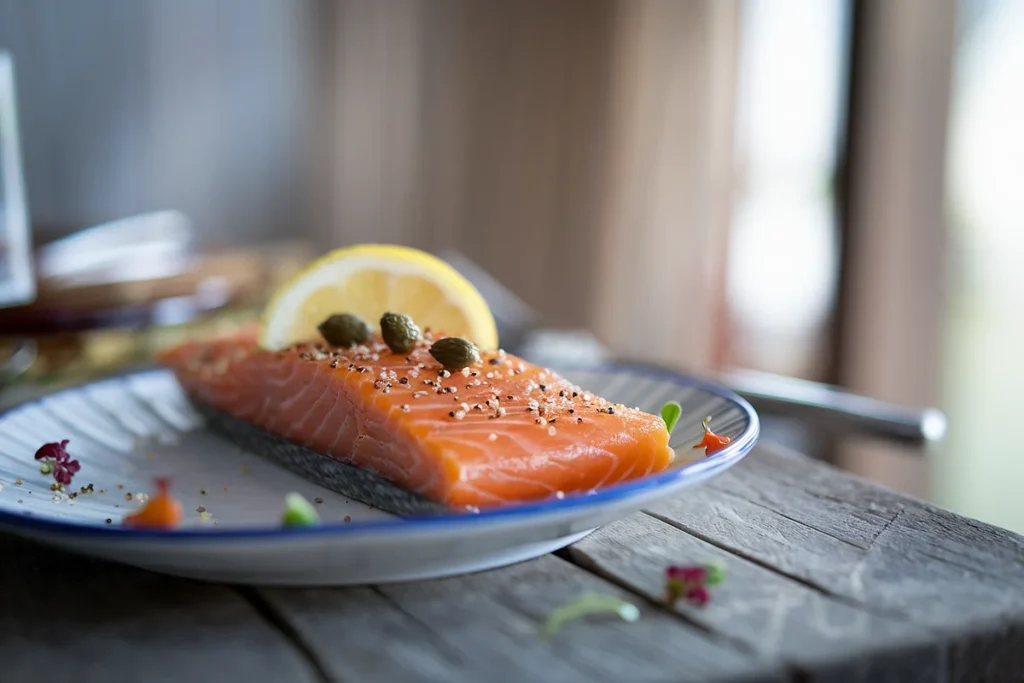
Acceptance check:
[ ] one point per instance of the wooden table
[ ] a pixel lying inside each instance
(829, 578)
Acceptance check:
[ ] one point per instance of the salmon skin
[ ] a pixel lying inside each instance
(348, 480)
(401, 433)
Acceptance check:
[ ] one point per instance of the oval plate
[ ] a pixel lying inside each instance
(127, 430)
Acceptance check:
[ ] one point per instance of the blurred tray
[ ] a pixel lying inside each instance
(215, 280)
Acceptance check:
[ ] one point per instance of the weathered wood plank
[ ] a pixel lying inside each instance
(781, 619)
(486, 627)
(65, 618)
(960, 578)
(829, 578)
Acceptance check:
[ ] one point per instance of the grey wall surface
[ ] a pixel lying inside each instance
(196, 105)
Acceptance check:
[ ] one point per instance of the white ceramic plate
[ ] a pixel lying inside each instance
(127, 430)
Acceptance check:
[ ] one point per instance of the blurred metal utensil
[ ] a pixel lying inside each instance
(832, 409)
(514, 318)
(821, 407)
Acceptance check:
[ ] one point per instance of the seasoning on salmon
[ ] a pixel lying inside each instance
(500, 431)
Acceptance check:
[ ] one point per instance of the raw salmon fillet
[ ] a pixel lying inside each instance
(503, 431)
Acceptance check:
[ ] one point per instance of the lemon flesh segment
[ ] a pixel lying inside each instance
(369, 280)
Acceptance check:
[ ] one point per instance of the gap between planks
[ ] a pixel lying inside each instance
(465, 627)
(275, 619)
(954, 584)
(70, 618)
(769, 615)
(775, 570)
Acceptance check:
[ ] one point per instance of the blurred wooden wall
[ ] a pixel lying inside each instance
(580, 150)
(893, 302)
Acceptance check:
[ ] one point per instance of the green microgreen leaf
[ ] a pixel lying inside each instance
(591, 603)
(299, 512)
(670, 413)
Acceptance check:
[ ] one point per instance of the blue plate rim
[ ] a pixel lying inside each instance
(716, 463)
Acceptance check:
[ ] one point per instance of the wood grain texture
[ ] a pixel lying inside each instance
(853, 539)
(829, 578)
(64, 618)
(487, 627)
(960, 580)
(568, 133)
(781, 620)
(665, 204)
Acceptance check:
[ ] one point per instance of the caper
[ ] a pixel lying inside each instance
(455, 353)
(399, 331)
(344, 329)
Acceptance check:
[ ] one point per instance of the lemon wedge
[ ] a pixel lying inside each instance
(370, 280)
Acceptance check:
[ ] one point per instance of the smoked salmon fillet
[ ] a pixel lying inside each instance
(502, 431)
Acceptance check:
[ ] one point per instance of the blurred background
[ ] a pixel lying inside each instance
(825, 189)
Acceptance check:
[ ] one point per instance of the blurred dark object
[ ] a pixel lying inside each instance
(109, 296)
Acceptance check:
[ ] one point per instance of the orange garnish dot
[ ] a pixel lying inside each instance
(711, 443)
(160, 512)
